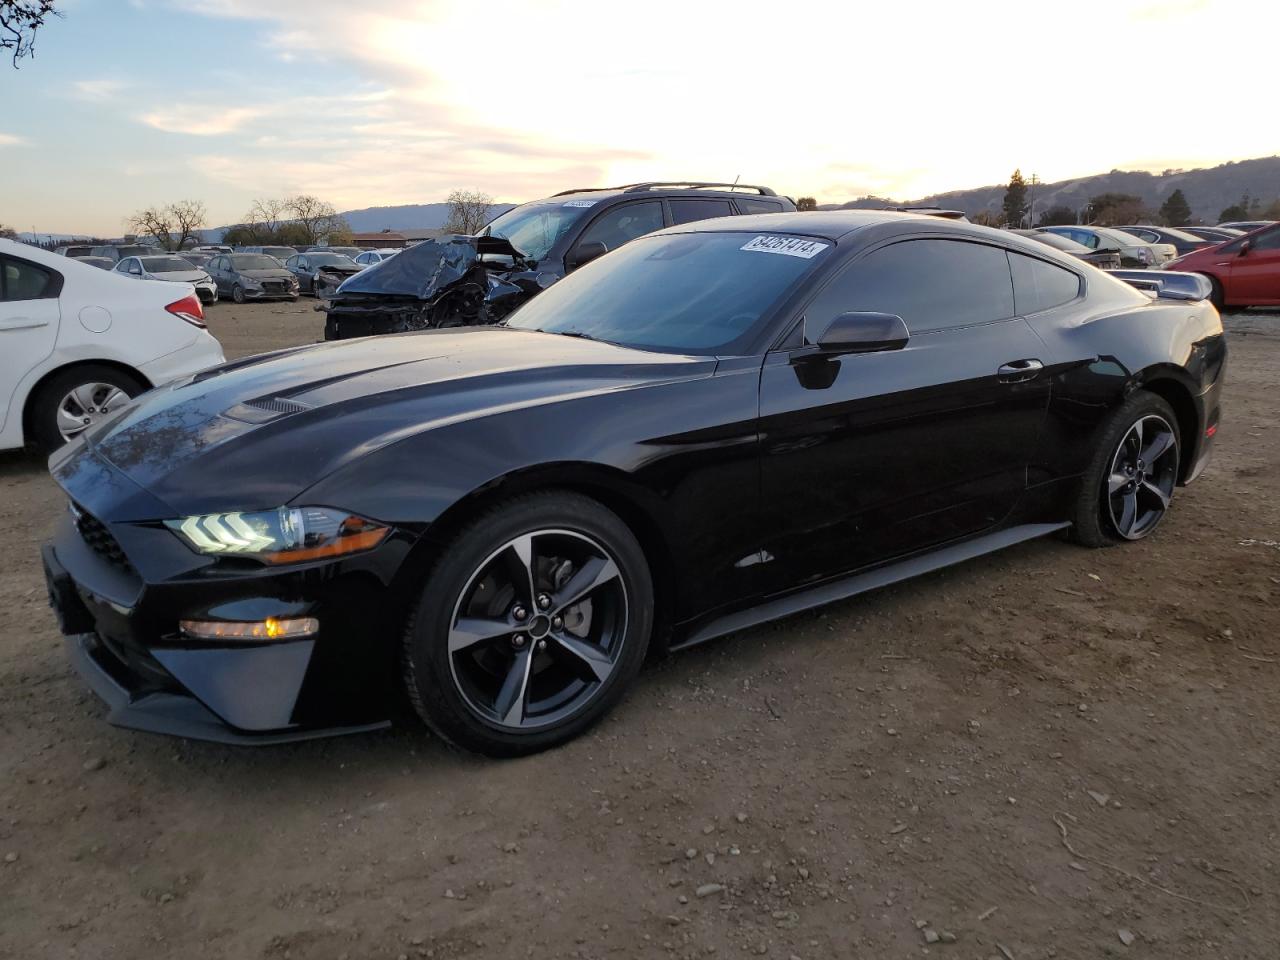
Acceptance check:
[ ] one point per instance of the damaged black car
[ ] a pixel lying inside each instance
(464, 281)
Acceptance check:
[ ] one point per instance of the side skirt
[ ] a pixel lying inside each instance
(857, 583)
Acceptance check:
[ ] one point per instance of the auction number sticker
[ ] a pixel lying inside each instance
(580, 203)
(788, 246)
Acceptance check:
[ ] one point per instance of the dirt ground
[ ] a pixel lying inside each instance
(1050, 752)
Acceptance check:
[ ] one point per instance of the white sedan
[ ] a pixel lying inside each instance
(77, 343)
(172, 269)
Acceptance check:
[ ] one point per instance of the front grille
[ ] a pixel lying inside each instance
(99, 539)
(273, 286)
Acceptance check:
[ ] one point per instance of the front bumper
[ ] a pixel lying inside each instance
(122, 636)
(263, 293)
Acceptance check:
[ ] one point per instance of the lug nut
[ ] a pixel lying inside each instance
(518, 640)
(519, 613)
(557, 623)
(544, 601)
(542, 644)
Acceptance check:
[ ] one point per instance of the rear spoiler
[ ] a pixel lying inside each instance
(1167, 284)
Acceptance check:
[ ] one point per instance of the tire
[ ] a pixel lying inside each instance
(294, 298)
(1104, 504)
(522, 680)
(1216, 296)
(45, 416)
(237, 293)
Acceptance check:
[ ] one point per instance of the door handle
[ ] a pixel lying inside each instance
(1019, 371)
(22, 323)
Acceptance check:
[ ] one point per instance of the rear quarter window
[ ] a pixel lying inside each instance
(1039, 286)
(752, 205)
(687, 211)
(20, 280)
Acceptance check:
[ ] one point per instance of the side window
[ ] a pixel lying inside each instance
(25, 281)
(752, 205)
(304, 263)
(1038, 285)
(931, 284)
(687, 211)
(1267, 241)
(135, 267)
(623, 223)
(291, 262)
(1146, 235)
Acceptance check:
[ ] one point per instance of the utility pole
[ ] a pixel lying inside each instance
(1034, 182)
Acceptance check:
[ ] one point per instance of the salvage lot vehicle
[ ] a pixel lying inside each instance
(1245, 272)
(1183, 241)
(76, 342)
(720, 424)
(252, 276)
(172, 269)
(280, 253)
(1133, 251)
(1102, 259)
(1212, 234)
(318, 270)
(456, 280)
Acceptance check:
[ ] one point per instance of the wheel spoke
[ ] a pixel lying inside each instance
(522, 547)
(1160, 444)
(1129, 513)
(114, 398)
(68, 424)
(1116, 483)
(1137, 433)
(1155, 491)
(83, 395)
(510, 701)
(467, 632)
(585, 658)
(593, 573)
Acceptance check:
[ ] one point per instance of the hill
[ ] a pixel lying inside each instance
(1209, 190)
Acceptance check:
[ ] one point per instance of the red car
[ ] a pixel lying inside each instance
(1245, 271)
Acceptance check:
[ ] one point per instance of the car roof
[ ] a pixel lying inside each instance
(823, 224)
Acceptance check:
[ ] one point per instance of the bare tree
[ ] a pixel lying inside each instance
(317, 219)
(8, 233)
(468, 211)
(19, 21)
(172, 225)
(265, 218)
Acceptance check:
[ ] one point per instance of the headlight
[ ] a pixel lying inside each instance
(250, 282)
(286, 535)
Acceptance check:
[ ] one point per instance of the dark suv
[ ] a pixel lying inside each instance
(457, 280)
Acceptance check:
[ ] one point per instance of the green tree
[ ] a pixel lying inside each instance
(988, 218)
(1175, 211)
(241, 235)
(1110, 209)
(1015, 200)
(1272, 212)
(806, 203)
(1057, 216)
(1237, 211)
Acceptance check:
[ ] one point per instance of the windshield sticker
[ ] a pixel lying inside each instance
(788, 246)
(580, 203)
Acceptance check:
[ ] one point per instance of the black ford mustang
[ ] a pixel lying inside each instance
(715, 425)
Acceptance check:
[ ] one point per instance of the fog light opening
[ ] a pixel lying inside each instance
(272, 628)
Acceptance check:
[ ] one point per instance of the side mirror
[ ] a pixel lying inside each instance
(584, 253)
(1245, 247)
(864, 333)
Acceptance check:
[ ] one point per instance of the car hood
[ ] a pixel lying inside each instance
(268, 273)
(339, 268)
(254, 434)
(426, 269)
(180, 276)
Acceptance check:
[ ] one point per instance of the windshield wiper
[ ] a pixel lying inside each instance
(578, 334)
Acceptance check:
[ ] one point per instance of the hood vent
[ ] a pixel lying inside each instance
(265, 409)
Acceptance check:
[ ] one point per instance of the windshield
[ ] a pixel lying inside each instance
(686, 292)
(166, 265)
(534, 228)
(254, 261)
(330, 260)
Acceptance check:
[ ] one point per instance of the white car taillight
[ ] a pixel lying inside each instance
(188, 309)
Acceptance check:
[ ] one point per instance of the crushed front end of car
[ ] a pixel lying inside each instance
(451, 282)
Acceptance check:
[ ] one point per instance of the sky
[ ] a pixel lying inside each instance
(130, 103)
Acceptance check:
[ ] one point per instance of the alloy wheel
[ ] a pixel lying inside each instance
(538, 629)
(84, 406)
(1143, 472)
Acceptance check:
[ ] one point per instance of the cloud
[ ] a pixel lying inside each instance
(97, 91)
(13, 140)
